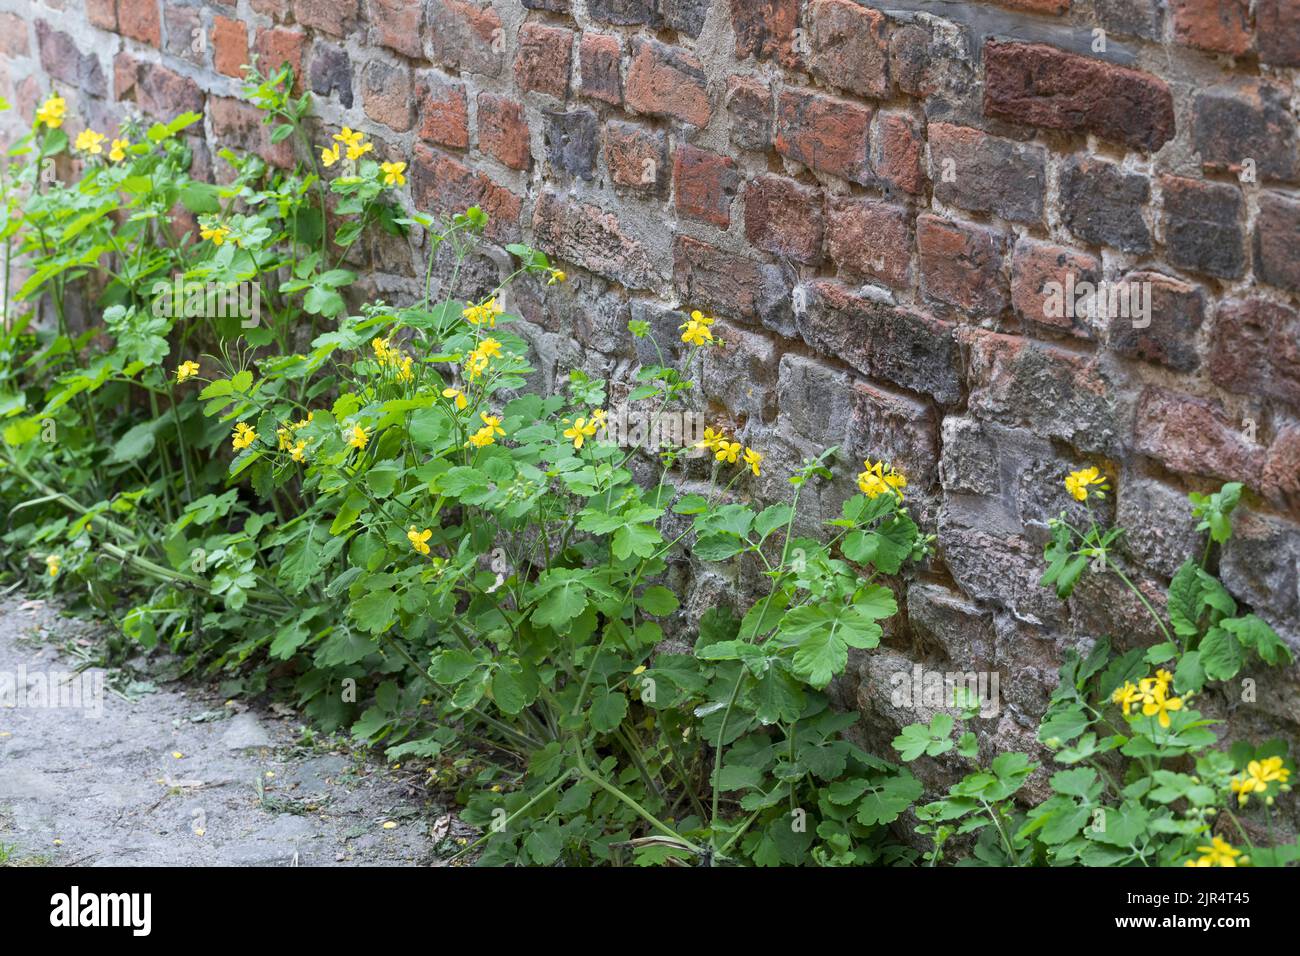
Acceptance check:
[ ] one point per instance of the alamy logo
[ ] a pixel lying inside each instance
(928, 688)
(179, 299)
(1098, 300)
(103, 909)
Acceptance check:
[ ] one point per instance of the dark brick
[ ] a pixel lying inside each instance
(464, 36)
(1139, 18)
(848, 48)
(1042, 86)
(1203, 227)
(685, 16)
(667, 81)
(784, 218)
(1277, 241)
(1255, 123)
(749, 104)
(982, 173)
(824, 133)
(544, 58)
(396, 24)
(1277, 24)
(1102, 204)
(443, 110)
(572, 140)
(868, 238)
(1042, 275)
(445, 187)
(61, 59)
(593, 238)
(330, 72)
(1177, 310)
(552, 6)
(706, 184)
(598, 63)
(637, 157)
(503, 131)
(185, 36)
(731, 284)
(1255, 349)
(766, 28)
(961, 265)
(624, 12)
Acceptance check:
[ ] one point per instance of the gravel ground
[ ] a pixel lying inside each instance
(177, 776)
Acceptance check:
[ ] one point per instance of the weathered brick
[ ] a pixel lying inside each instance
(239, 125)
(899, 345)
(158, 91)
(229, 45)
(1281, 479)
(824, 133)
(503, 131)
(1194, 436)
(331, 72)
(1055, 7)
(848, 48)
(766, 28)
(544, 59)
(1277, 241)
(61, 59)
(278, 10)
(1231, 127)
(598, 64)
(685, 16)
(982, 173)
(732, 284)
(740, 374)
(706, 184)
(961, 265)
(624, 12)
(386, 94)
(140, 20)
(185, 33)
(1255, 349)
(572, 142)
(868, 238)
(784, 218)
(593, 238)
(445, 187)
(1053, 392)
(910, 60)
(396, 24)
(1169, 335)
(1042, 276)
(1203, 226)
(13, 36)
(1042, 86)
(1160, 532)
(554, 6)
(443, 110)
(100, 13)
(463, 35)
(276, 46)
(337, 17)
(1139, 18)
(667, 81)
(637, 157)
(749, 104)
(1222, 26)
(1259, 566)
(896, 152)
(1102, 204)
(1277, 24)
(883, 423)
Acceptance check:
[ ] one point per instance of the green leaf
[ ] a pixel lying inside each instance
(1221, 654)
(608, 711)
(657, 601)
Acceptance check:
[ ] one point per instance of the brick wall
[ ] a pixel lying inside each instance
(873, 201)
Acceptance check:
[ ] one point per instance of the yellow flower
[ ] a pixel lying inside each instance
(52, 111)
(419, 539)
(284, 441)
(299, 451)
(216, 233)
(475, 365)
(404, 373)
(728, 451)
(349, 137)
(1219, 853)
(598, 417)
(879, 479)
(485, 314)
(356, 152)
(1077, 482)
(88, 141)
(696, 333)
(458, 395)
(186, 371)
(557, 275)
(489, 348)
(356, 436)
(752, 458)
(118, 151)
(393, 173)
(304, 422)
(580, 431)
(487, 434)
(1161, 707)
(712, 439)
(329, 156)
(1126, 696)
(52, 563)
(243, 436)
(1258, 775)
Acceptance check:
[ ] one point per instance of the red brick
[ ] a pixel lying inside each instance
(337, 17)
(706, 184)
(229, 45)
(733, 284)
(446, 187)
(1281, 479)
(1042, 86)
(239, 125)
(784, 218)
(503, 131)
(1277, 25)
(848, 46)
(443, 110)
(766, 28)
(897, 152)
(637, 156)
(386, 94)
(1041, 273)
(868, 238)
(1277, 241)
(593, 238)
(667, 81)
(544, 58)
(275, 47)
(102, 14)
(1222, 26)
(465, 36)
(159, 92)
(598, 62)
(961, 265)
(1195, 436)
(824, 133)
(140, 20)
(749, 103)
(1255, 349)
(13, 36)
(396, 24)
(278, 10)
